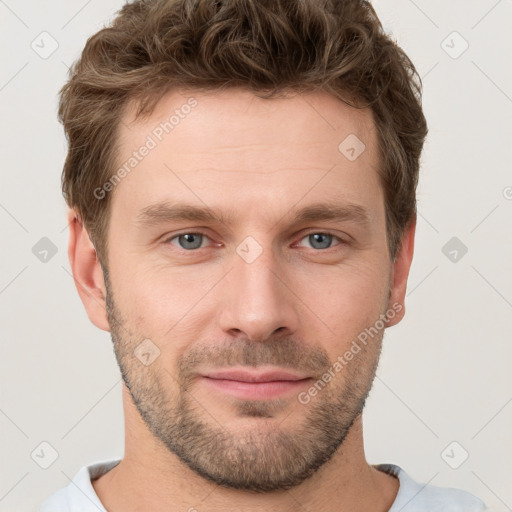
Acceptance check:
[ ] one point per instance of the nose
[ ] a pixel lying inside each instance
(258, 298)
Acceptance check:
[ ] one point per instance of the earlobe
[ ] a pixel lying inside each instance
(87, 271)
(400, 273)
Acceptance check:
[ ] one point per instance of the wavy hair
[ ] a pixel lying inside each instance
(266, 46)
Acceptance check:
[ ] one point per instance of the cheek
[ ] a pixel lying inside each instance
(350, 300)
(164, 302)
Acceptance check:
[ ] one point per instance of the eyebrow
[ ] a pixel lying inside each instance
(163, 212)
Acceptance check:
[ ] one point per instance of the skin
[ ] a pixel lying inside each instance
(296, 306)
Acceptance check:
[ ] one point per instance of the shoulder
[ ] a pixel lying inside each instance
(79, 495)
(420, 497)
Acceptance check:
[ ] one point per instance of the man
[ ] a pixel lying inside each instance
(241, 186)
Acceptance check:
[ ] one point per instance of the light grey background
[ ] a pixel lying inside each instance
(445, 371)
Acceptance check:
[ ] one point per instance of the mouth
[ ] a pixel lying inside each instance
(255, 385)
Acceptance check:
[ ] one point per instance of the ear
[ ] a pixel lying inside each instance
(87, 272)
(400, 272)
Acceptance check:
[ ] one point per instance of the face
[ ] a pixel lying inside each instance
(282, 275)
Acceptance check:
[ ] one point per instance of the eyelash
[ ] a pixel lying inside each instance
(168, 240)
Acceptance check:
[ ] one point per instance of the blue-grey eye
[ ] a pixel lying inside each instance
(190, 241)
(320, 240)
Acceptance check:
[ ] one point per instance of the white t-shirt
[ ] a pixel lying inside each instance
(79, 494)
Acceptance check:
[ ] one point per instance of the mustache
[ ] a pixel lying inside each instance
(284, 352)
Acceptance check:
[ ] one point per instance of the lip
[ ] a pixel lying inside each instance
(255, 385)
(246, 376)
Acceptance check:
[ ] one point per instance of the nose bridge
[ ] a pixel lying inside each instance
(256, 299)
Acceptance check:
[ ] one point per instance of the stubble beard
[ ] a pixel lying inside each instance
(266, 456)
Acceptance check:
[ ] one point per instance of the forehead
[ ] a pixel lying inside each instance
(234, 146)
(218, 115)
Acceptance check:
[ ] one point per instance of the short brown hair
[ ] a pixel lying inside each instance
(266, 46)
